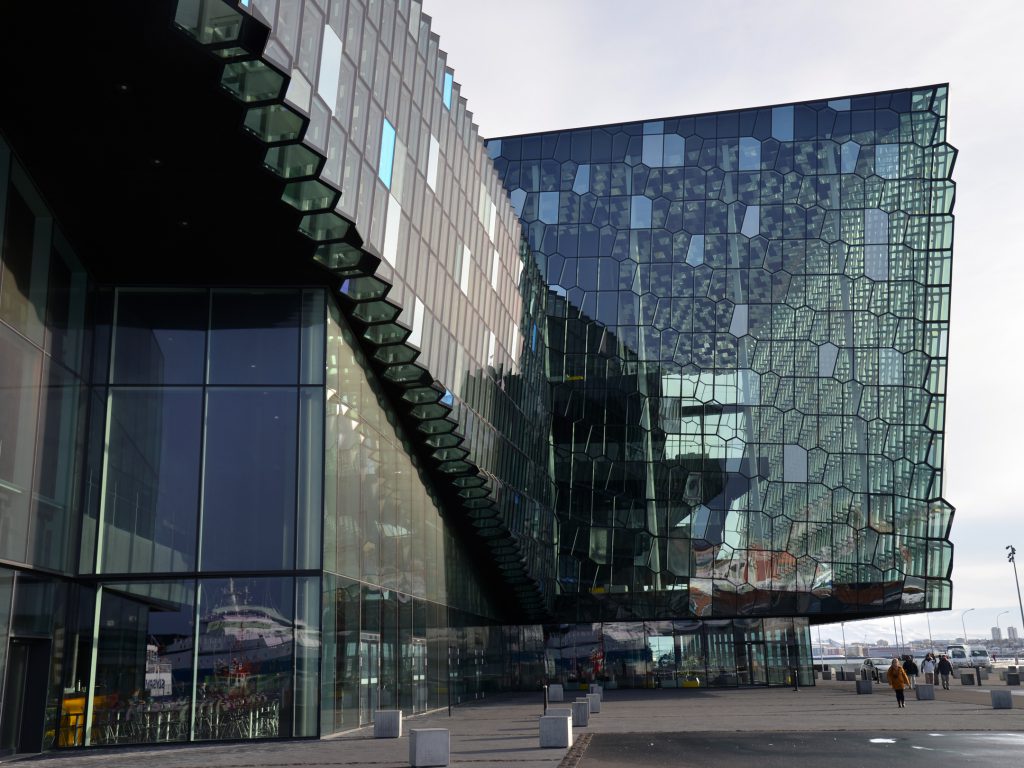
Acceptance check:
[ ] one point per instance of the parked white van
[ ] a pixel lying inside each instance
(969, 656)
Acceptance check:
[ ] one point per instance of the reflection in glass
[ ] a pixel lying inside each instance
(142, 690)
(160, 337)
(254, 337)
(244, 669)
(19, 391)
(151, 490)
(58, 449)
(22, 272)
(250, 480)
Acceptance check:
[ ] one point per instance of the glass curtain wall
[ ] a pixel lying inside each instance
(207, 627)
(680, 654)
(396, 585)
(43, 356)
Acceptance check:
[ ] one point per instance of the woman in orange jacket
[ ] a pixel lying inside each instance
(898, 680)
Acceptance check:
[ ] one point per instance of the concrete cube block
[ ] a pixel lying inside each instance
(863, 686)
(966, 678)
(1002, 700)
(559, 711)
(826, 674)
(1013, 678)
(387, 724)
(925, 692)
(429, 747)
(556, 692)
(581, 714)
(555, 732)
(595, 703)
(598, 689)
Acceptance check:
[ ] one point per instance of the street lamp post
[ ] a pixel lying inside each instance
(1011, 555)
(999, 631)
(963, 624)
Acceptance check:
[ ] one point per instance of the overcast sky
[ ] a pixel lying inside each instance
(539, 65)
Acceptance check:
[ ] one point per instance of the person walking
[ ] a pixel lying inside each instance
(898, 680)
(910, 667)
(945, 669)
(928, 669)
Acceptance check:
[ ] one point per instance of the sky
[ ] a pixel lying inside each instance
(539, 65)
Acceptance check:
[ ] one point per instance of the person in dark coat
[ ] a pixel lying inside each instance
(945, 669)
(911, 669)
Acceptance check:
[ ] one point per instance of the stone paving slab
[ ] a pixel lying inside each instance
(503, 731)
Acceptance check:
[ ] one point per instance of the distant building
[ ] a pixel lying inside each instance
(996, 633)
(1011, 633)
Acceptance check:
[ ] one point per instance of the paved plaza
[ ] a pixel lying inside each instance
(826, 723)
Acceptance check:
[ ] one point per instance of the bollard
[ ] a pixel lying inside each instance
(580, 713)
(545, 699)
(387, 724)
(1002, 700)
(429, 747)
(555, 731)
(925, 692)
(1013, 678)
(863, 686)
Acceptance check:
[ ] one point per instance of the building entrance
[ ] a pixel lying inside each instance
(369, 677)
(757, 670)
(419, 674)
(24, 703)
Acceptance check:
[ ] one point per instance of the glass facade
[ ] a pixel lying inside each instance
(747, 357)
(636, 403)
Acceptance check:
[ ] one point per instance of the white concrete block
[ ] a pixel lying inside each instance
(925, 692)
(429, 747)
(387, 724)
(559, 711)
(598, 689)
(595, 703)
(581, 714)
(555, 732)
(555, 692)
(1002, 700)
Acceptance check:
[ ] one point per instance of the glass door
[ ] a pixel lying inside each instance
(24, 703)
(369, 677)
(419, 674)
(756, 663)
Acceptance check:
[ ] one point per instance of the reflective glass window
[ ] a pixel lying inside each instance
(387, 153)
(160, 338)
(19, 393)
(245, 660)
(254, 337)
(750, 154)
(65, 306)
(449, 81)
(143, 689)
(330, 67)
(432, 159)
(640, 212)
(782, 123)
(57, 469)
(23, 264)
(249, 479)
(151, 488)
